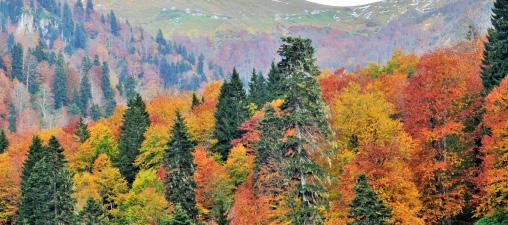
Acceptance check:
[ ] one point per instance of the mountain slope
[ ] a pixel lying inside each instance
(244, 32)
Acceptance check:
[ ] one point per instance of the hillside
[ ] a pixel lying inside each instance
(60, 60)
(245, 33)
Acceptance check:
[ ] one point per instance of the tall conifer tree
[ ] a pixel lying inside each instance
(4, 142)
(257, 89)
(231, 113)
(85, 94)
(17, 62)
(495, 59)
(46, 194)
(135, 122)
(178, 162)
(367, 208)
(107, 91)
(82, 131)
(60, 84)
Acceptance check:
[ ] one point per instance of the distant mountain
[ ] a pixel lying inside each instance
(246, 33)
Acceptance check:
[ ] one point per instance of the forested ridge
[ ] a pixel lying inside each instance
(419, 140)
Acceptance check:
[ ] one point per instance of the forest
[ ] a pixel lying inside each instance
(101, 123)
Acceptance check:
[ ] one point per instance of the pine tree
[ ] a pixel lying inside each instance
(115, 27)
(85, 94)
(46, 192)
(67, 23)
(367, 208)
(39, 51)
(201, 65)
(95, 112)
(60, 84)
(81, 132)
(89, 7)
(178, 162)
(257, 89)
(130, 87)
(107, 91)
(135, 122)
(92, 213)
(495, 63)
(17, 62)
(195, 101)
(275, 86)
(12, 118)
(80, 37)
(303, 115)
(4, 142)
(231, 113)
(179, 217)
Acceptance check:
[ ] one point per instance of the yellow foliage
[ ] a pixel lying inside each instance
(153, 148)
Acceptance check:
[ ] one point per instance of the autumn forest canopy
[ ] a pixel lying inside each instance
(103, 123)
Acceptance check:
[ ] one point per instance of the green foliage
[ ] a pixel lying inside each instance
(95, 112)
(85, 94)
(60, 84)
(231, 112)
(130, 87)
(46, 194)
(4, 142)
(495, 66)
(12, 118)
(147, 179)
(82, 131)
(498, 219)
(107, 91)
(275, 83)
(304, 114)
(367, 208)
(179, 166)
(257, 89)
(113, 22)
(135, 123)
(17, 62)
(195, 100)
(92, 213)
(179, 217)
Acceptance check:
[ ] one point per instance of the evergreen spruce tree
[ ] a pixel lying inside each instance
(495, 59)
(303, 113)
(81, 132)
(130, 87)
(107, 91)
(257, 89)
(95, 112)
(46, 192)
(113, 22)
(4, 142)
(12, 118)
(178, 162)
(67, 23)
(80, 36)
(179, 217)
(231, 113)
(39, 51)
(85, 94)
(92, 213)
(201, 65)
(135, 122)
(275, 83)
(367, 208)
(195, 101)
(17, 62)
(60, 84)
(89, 7)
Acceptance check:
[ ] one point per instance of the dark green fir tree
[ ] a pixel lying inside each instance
(81, 132)
(303, 113)
(275, 83)
(178, 162)
(46, 193)
(495, 57)
(92, 213)
(179, 217)
(135, 122)
(257, 89)
(195, 100)
(60, 84)
(114, 25)
(17, 62)
(367, 208)
(95, 112)
(232, 111)
(12, 118)
(85, 94)
(4, 142)
(107, 91)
